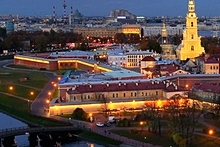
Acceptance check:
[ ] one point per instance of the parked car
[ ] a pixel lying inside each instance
(100, 124)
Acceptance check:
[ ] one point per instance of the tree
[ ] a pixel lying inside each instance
(104, 104)
(120, 38)
(154, 46)
(144, 45)
(2, 32)
(183, 117)
(79, 114)
(41, 43)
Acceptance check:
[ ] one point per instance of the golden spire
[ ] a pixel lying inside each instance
(191, 6)
(164, 31)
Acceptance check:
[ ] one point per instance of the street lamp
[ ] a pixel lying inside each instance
(31, 93)
(47, 101)
(141, 124)
(211, 131)
(49, 94)
(11, 88)
(90, 117)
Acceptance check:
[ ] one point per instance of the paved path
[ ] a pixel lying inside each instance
(39, 104)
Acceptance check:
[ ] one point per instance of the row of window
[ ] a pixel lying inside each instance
(115, 95)
(136, 56)
(213, 67)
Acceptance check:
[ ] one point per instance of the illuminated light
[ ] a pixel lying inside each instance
(31, 59)
(141, 123)
(110, 102)
(159, 103)
(66, 60)
(187, 85)
(90, 114)
(211, 132)
(59, 78)
(32, 93)
(47, 101)
(11, 88)
(49, 93)
(133, 101)
(55, 85)
(104, 69)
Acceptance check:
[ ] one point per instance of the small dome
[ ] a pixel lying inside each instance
(148, 58)
(164, 40)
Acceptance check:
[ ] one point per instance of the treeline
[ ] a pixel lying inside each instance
(39, 41)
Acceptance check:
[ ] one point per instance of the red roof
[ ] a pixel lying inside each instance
(148, 58)
(208, 87)
(129, 86)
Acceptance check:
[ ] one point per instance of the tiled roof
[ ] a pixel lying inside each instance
(129, 86)
(207, 87)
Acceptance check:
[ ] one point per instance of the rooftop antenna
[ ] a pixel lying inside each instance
(64, 8)
(71, 10)
(54, 14)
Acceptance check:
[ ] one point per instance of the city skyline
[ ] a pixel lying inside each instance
(170, 8)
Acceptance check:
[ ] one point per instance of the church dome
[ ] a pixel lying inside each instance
(164, 40)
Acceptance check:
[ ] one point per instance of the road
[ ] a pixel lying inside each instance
(39, 104)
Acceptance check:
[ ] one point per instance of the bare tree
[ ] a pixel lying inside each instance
(183, 117)
(104, 108)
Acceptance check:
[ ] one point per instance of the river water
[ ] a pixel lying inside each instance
(22, 140)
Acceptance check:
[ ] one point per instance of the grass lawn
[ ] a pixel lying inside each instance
(202, 141)
(165, 141)
(19, 90)
(19, 108)
(144, 136)
(98, 138)
(36, 79)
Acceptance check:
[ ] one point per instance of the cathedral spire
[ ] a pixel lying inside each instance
(164, 31)
(191, 6)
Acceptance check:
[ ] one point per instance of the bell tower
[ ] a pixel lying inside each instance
(191, 43)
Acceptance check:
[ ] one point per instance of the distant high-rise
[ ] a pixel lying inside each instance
(191, 43)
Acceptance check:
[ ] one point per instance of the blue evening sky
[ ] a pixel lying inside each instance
(103, 7)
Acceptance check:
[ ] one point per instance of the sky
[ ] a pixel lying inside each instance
(170, 8)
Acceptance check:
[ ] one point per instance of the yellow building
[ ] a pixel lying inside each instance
(131, 29)
(97, 32)
(191, 43)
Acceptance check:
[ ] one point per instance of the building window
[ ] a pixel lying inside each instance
(135, 94)
(192, 36)
(142, 93)
(124, 95)
(191, 24)
(131, 94)
(116, 94)
(210, 67)
(192, 48)
(113, 95)
(156, 92)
